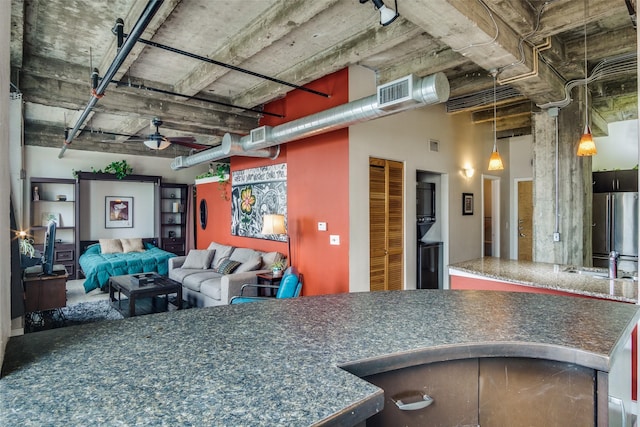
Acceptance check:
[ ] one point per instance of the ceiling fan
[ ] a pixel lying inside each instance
(157, 141)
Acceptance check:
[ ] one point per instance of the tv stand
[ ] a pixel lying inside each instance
(44, 292)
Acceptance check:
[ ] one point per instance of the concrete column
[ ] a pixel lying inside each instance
(574, 188)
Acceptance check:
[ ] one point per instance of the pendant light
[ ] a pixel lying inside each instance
(586, 146)
(495, 161)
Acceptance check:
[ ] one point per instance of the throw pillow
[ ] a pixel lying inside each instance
(227, 266)
(250, 265)
(222, 252)
(200, 259)
(110, 246)
(132, 245)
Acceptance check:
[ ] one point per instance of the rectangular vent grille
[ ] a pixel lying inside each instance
(433, 145)
(258, 135)
(396, 94)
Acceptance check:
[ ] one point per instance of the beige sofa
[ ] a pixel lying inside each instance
(204, 277)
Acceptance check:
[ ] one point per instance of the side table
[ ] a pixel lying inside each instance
(268, 279)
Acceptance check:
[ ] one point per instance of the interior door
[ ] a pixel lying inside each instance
(386, 222)
(525, 220)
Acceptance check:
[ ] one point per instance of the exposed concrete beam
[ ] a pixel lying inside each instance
(17, 33)
(599, 126)
(271, 26)
(422, 64)
(54, 92)
(601, 45)
(129, 21)
(503, 112)
(561, 16)
(373, 40)
(42, 135)
(486, 40)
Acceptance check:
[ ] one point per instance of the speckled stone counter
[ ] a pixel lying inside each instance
(548, 276)
(281, 363)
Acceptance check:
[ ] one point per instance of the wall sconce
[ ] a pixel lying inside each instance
(468, 172)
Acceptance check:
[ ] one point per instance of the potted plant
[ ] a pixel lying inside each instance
(277, 268)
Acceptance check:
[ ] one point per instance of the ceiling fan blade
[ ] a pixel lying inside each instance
(187, 141)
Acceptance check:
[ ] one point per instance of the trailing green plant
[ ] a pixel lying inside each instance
(222, 172)
(120, 169)
(26, 248)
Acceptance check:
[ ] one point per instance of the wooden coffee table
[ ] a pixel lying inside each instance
(160, 286)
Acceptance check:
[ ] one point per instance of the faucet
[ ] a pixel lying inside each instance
(613, 264)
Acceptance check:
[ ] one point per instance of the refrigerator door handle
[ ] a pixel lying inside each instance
(609, 218)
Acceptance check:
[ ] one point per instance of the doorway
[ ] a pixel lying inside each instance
(386, 225)
(490, 216)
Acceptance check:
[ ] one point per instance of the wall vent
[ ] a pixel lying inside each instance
(259, 135)
(433, 145)
(178, 163)
(397, 94)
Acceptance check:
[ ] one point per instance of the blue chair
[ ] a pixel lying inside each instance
(290, 287)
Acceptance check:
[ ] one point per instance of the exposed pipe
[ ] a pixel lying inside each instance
(428, 90)
(142, 23)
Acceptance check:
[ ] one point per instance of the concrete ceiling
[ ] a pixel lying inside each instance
(55, 44)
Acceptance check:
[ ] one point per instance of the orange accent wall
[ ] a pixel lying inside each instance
(317, 191)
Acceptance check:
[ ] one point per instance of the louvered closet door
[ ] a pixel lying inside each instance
(386, 201)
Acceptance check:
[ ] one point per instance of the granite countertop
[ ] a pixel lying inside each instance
(288, 362)
(550, 276)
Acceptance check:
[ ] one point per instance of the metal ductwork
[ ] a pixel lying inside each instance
(393, 97)
(230, 146)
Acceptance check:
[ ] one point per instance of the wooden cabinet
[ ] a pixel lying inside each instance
(611, 181)
(386, 225)
(45, 292)
(488, 392)
(173, 220)
(55, 198)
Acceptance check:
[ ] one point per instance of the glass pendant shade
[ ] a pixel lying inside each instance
(587, 147)
(495, 161)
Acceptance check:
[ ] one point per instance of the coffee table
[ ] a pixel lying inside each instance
(160, 286)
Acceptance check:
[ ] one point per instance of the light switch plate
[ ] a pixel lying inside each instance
(322, 226)
(334, 239)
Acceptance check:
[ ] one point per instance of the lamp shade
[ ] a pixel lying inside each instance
(387, 15)
(586, 146)
(495, 161)
(157, 144)
(273, 224)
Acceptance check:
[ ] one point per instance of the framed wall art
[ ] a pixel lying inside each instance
(467, 203)
(118, 212)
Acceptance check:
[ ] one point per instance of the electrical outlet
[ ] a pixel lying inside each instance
(334, 239)
(322, 226)
(556, 237)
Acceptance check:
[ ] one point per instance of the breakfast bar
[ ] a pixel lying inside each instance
(299, 362)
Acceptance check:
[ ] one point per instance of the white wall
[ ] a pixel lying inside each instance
(618, 150)
(5, 244)
(93, 209)
(405, 137)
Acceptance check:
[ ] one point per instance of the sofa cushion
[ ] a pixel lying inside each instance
(222, 252)
(211, 288)
(250, 265)
(179, 274)
(199, 259)
(227, 266)
(132, 245)
(110, 246)
(244, 254)
(269, 258)
(195, 281)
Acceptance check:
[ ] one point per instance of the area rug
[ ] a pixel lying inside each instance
(90, 312)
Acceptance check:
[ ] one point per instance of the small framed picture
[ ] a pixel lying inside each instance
(467, 203)
(118, 212)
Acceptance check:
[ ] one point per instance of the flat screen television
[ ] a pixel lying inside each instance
(49, 247)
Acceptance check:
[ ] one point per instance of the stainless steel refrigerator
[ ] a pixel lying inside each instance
(615, 228)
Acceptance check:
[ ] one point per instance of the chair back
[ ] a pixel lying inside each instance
(291, 284)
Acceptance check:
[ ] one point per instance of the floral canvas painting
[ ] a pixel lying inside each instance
(256, 192)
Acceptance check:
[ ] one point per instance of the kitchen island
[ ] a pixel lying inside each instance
(292, 362)
(492, 273)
